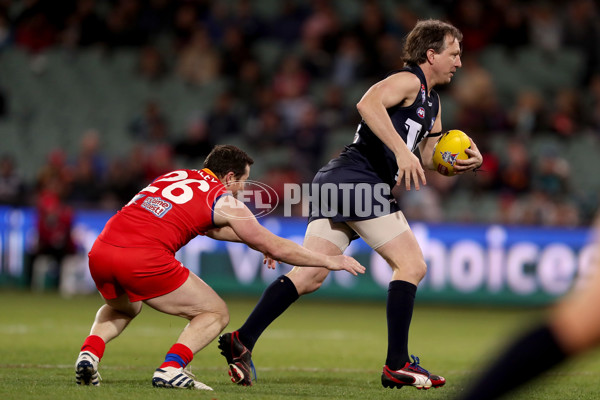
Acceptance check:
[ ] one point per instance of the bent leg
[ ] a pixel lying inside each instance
(201, 305)
(322, 236)
(283, 292)
(113, 317)
(309, 279)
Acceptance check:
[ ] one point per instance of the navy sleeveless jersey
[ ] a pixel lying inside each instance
(369, 161)
(413, 123)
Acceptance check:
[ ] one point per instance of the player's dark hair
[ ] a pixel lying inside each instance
(226, 158)
(428, 34)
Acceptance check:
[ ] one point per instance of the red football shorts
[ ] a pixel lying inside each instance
(141, 272)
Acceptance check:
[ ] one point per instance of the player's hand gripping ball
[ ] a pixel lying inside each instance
(450, 147)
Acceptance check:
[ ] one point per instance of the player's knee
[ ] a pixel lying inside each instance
(218, 317)
(420, 270)
(221, 319)
(219, 313)
(130, 310)
(133, 312)
(223, 316)
(309, 284)
(415, 272)
(309, 287)
(215, 313)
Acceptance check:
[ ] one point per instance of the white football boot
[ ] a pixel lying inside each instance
(171, 377)
(86, 369)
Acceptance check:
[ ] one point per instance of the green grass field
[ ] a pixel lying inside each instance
(317, 350)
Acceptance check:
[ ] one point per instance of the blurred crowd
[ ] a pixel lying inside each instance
(294, 106)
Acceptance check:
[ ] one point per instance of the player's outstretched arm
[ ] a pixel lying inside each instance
(226, 233)
(233, 213)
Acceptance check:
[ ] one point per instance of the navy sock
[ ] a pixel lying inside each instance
(535, 352)
(274, 301)
(400, 304)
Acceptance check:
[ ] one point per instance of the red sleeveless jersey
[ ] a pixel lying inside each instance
(168, 213)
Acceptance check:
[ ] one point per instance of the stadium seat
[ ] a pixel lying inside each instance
(268, 52)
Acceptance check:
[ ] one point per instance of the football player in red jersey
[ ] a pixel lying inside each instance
(133, 260)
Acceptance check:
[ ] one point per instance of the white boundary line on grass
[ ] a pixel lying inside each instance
(271, 369)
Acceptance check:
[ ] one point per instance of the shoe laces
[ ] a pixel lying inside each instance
(416, 367)
(188, 371)
(197, 384)
(253, 370)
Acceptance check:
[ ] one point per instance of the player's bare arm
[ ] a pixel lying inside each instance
(397, 89)
(230, 212)
(428, 144)
(426, 149)
(226, 233)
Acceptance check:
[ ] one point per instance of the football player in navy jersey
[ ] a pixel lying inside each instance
(400, 115)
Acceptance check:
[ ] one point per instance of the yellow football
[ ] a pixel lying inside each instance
(450, 147)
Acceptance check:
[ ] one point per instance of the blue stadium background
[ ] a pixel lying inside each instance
(98, 97)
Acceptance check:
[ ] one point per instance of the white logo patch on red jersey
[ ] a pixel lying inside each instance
(157, 206)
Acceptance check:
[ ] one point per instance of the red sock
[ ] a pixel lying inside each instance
(95, 345)
(178, 356)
